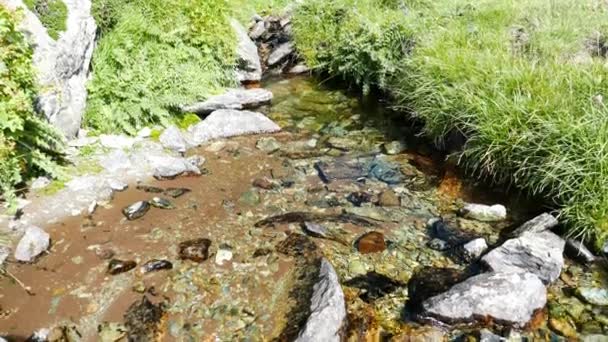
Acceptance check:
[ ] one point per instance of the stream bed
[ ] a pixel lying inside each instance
(268, 207)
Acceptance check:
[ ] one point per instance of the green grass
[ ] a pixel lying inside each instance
(52, 13)
(522, 80)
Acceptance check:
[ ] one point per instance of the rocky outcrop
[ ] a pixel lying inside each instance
(228, 123)
(62, 65)
(507, 298)
(249, 68)
(327, 307)
(233, 99)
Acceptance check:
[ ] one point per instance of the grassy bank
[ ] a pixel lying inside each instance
(523, 80)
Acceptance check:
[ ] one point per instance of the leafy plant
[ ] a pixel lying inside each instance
(52, 13)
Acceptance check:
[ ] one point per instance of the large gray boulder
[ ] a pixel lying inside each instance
(229, 123)
(540, 253)
(63, 65)
(249, 68)
(327, 307)
(509, 298)
(232, 99)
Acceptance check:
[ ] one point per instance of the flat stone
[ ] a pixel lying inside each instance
(249, 67)
(537, 253)
(230, 123)
(33, 243)
(117, 185)
(538, 224)
(116, 266)
(237, 99)
(280, 54)
(593, 295)
(136, 210)
(166, 167)
(328, 309)
(484, 213)
(372, 242)
(508, 298)
(173, 139)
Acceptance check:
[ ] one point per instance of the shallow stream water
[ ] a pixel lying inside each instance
(257, 281)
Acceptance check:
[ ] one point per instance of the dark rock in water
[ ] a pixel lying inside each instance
(538, 224)
(341, 169)
(195, 250)
(453, 237)
(505, 298)
(315, 229)
(301, 217)
(297, 245)
(438, 245)
(578, 251)
(429, 282)
(144, 321)
(374, 285)
(136, 210)
(540, 253)
(327, 308)
(372, 242)
(385, 172)
(358, 198)
(161, 203)
(148, 188)
(176, 192)
(389, 198)
(262, 252)
(264, 183)
(120, 266)
(155, 265)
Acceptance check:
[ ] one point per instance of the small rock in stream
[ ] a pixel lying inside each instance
(33, 243)
(161, 203)
(577, 250)
(195, 250)
(372, 242)
(117, 185)
(593, 295)
(117, 266)
(358, 198)
(155, 265)
(136, 210)
(473, 249)
(389, 198)
(484, 213)
(149, 188)
(394, 147)
(223, 255)
(176, 192)
(374, 285)
(340, 169)
(453, 237)
(438, 245)
(327, 307)
(315, 229)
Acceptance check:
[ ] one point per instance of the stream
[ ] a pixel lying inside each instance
(338, 157)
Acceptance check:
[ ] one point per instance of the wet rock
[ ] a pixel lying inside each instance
(148, 188)
(328, 309)
(161, 203)
(340, 169)
(453, 237)
(315, 229)
(33, 243)
(40, 183)
(389, 198)
(563, 327)
(170, 167)
(372, 242)
(297, 245)
(104, 253)
(358, 198)
(473, 249)
(234, 99)
(230, 123)
(144, 321)
(394, 147)
(508, 298)
(136, 210)
(260, 252)
(422, 334)
(117, 185)
(484, 213)
(430, 281)
(264, 183)
(438, 245)
(248, 60)
(117, 266)
(577, 250)
(298, 69)
(268, 144)
(280, 54)
(374, 285)
(195, 250)
(385, 172)
(155, 265)
(538, 224)
(223, 255)
(301, 217)
(172, 139)
(486, 335)
(176, 192)
(111, 332)
(538, 253)
(593, 295)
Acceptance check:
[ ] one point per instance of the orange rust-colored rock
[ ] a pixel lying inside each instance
(372, 242)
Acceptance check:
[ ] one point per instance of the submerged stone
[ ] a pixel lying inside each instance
(161, 203)
(301, 217)
(452, 236)
(195, 250)
(484, 213)
(176, 192)
(374, 285)
(155, 265)
(385, 172)
(389, 198)
(341, 169)
(136, 210)
(264, 183)
(297, 245)
(117, 266)
(315, 229)
(372, 242)
(34, 242)
(507, 298)
(593, 295)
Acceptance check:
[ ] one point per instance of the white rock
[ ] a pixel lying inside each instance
(115, 161)
(145, 132)
(485, 213)
(116, 141)
(299, 69)
(40, 182)
(250, 68)
(475, 248)
(224, 254)
(33, 242)
(117, 185)
(229, 123)
(233, 99)
(166, 167)
(173, 139)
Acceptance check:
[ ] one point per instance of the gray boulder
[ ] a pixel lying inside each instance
(62, 65)
(538, 224)
(257, 30)
(173, 139)
(166, 167)
(327, 307)
(280, 54)
(540, 253)
(33, 243)
(249, 66)
(233, 99)
(509, 298)
(229, 123)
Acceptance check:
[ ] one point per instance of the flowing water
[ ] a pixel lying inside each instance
(257, 281)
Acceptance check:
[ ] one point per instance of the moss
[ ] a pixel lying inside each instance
(52, 13)
(54, 187)
(187, 120)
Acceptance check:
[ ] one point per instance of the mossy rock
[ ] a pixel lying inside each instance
(52, 13)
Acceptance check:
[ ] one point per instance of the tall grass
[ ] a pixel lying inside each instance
(522, 80)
